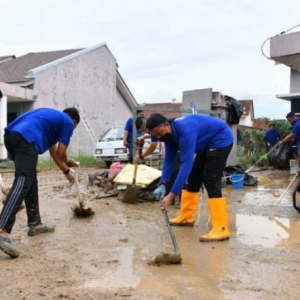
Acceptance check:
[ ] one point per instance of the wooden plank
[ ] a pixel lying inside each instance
(145, 175)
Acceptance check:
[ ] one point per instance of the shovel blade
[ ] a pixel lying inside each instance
(131, 194)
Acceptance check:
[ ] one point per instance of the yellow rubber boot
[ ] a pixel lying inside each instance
(219, 220)
(189, 205)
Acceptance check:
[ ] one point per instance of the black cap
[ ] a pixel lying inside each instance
(73, 113)
(155, 120)
(290, 114)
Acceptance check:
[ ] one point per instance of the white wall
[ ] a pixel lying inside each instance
(90, 81)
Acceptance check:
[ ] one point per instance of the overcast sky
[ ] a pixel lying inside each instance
(165, 47)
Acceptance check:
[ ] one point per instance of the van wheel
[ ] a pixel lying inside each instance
(108, 163)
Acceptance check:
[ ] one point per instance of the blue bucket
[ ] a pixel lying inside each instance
(237, 181)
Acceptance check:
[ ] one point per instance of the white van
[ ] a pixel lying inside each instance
(110, 147)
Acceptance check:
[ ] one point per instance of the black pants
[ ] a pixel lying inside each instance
(207, 169)
(25, 185)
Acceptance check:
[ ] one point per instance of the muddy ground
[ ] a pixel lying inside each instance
(106, 256)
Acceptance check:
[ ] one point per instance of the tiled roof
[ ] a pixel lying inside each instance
(161, 106)
(14, 71)
(7, 57)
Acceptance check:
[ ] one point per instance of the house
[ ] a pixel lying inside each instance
(285, 49)
(247, 120)
(88, 78)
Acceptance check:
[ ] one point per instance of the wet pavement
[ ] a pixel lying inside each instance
(107, 255)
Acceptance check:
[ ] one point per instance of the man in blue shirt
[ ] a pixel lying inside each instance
(31, 134)
(271, 137)
(128, 141)
(211, 140)
(295, 134)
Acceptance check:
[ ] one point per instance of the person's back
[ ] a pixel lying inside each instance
(45, 127)
(205, 131)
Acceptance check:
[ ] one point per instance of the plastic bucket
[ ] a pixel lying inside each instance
(237, 181)
(293, 166)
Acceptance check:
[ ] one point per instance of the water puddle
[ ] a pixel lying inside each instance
(156, 287)
(268, 232)
(123, 276)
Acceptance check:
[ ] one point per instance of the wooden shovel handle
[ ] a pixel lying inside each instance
(135, 165)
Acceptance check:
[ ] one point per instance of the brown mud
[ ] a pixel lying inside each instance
(166, 259)
(106, 256)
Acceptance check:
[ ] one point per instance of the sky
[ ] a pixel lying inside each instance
(165, 47)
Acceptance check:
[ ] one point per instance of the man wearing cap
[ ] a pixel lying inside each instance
(31, 134)
(294, 135)
(211, 140)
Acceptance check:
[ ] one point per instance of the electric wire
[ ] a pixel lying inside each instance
(281, 33)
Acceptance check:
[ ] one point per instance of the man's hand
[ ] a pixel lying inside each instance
(140, 139)
(125, 144)
(278, 144)
(160, 192)
(166, 202)
(71, 163)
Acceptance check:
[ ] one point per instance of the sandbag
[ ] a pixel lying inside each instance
(280, 157)
(115, 169)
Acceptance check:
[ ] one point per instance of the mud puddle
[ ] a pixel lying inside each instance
(106, 257)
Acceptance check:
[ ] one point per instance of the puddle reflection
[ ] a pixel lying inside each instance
(268, 232)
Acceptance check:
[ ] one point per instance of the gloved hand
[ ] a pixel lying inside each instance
(160, 192)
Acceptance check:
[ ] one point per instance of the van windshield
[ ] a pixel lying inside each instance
(113, 134)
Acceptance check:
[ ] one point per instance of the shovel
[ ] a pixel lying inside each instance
(166, 258)
(131, 192)
(80, 210)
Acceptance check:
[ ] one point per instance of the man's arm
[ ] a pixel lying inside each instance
(125, 143)
(288, 138)
(148, 152)
(59, 155)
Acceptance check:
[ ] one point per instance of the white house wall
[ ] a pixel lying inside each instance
(90, 81)
(246, 121)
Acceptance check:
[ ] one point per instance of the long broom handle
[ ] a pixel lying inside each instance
(287, 188)
(176, 248)
(247, 171)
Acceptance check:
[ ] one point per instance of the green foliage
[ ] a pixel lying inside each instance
(251, 148)
(86, 161)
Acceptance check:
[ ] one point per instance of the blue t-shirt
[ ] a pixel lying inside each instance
(44, 127)
(193, 134)
(296, 131)
(129, 128)
(272, 136)
(153, 138)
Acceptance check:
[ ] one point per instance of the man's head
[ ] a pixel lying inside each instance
(272, 126)
(140, 124)
(74, 114)
(140, 113)
(291, 117)
(159, 126)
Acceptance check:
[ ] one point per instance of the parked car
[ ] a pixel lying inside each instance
(110, 147)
